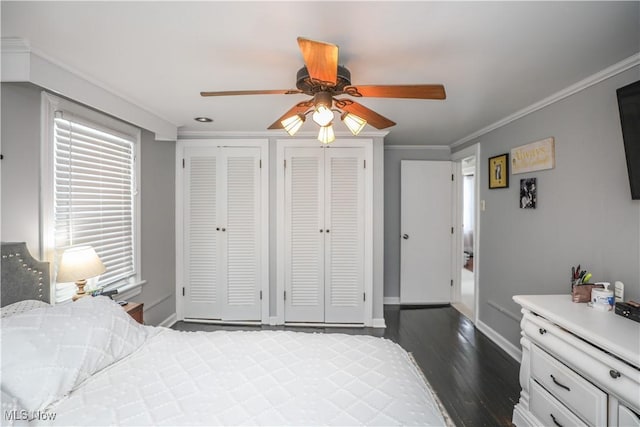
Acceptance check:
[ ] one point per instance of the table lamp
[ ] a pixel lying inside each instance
(78, 264)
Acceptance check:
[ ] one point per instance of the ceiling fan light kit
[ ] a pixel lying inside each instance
(322, 78)
(326, 134)
(293, 124)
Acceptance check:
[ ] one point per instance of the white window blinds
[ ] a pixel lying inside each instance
(94, 190)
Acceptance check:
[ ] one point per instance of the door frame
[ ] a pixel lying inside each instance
(458, 246)
(281, 145)
(263, 145)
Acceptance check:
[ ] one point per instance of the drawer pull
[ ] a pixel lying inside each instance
(542, 331)
(555, 421)
(614, 374)
(559, 384)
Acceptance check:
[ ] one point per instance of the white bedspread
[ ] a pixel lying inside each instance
(255, 378)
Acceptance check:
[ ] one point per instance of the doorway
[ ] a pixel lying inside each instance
(467, 220)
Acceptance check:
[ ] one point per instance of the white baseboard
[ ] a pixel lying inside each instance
(273, 320)
(509, 348)
(169, 321)
(391, 300)
(379, 323)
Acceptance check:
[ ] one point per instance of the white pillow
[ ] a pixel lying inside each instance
(47, 352)
(21, 307)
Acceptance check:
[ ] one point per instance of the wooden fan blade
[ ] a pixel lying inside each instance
(374, 119)
(252, 92)
(299, 108)
(398, 91)
(321, 60)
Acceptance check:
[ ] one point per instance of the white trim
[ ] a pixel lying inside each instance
(169, 321)
(273, 320)
(457, 157)
(379, 323)
(263, 145)
(596, 78)
(281, 145)
(24, 63)
(502, 342)
(49, 104)
(391, 301)
(417, 147)
(221, 322)
(149, 306)
(274, 134)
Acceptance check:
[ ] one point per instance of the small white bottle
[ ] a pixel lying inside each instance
(619, 291)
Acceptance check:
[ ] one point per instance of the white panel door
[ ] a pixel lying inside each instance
(202, 296)
(304, 234)
(344, 235)
(240, 237)
(425, 261)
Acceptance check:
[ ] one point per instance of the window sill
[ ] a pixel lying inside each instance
(127, 290)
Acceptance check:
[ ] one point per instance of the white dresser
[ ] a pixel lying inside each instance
(580, 366)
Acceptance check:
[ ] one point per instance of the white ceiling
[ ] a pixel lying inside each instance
(494, 58)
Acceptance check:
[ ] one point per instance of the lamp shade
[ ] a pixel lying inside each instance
(292, 124)
(79, 263)
(326, 134)
(353, 122)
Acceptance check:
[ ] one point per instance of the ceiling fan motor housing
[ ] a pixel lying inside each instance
(310, 86)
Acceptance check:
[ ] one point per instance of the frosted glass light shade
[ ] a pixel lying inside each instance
(293, 124)
(323, 116)
(326, 134)
(353, 122)
(79, 263)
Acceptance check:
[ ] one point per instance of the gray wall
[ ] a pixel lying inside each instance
(157, 183)
(21, 165)
(584, 215)
(21, 196)
(392, 158)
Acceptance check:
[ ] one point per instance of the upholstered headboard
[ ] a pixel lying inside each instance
(23, 277)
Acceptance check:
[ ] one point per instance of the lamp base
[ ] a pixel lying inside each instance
(80, 292)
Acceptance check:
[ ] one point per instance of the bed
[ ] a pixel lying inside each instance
(89, 363)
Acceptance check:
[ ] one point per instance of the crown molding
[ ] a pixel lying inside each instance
(417, 147)
(596, 78)
(21, 62)
(276, 134)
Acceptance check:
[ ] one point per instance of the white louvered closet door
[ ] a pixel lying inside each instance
(304, 235)
(344, 235)
(222, 232)
(240, 239)
(201, 253)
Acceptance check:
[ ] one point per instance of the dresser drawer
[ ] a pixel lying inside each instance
(578, 394)
(548, 410)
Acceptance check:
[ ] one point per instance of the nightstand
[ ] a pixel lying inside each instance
(135, 310)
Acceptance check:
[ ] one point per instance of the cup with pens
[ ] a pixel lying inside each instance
(580, 286)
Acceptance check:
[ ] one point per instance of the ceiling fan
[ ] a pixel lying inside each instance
(323, 79)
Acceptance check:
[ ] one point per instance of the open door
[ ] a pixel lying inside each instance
(426, 232)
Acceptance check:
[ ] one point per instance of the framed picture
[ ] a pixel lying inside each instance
(536, 156)
(528, 193)
(499, 171)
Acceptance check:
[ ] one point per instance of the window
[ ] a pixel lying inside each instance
(93, 200)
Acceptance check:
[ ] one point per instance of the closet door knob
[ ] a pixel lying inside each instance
(224, 229)
(217, 228)
(327, 230)
(405, 236)
(321, 230)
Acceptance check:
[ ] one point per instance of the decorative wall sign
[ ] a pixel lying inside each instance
(536, 156)
(499, 171)
(528, 193)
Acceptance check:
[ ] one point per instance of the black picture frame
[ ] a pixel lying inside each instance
(499, 171)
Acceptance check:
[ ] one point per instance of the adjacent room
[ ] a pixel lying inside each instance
(320, 213)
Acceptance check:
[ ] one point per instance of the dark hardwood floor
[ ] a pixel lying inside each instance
(475, 380)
